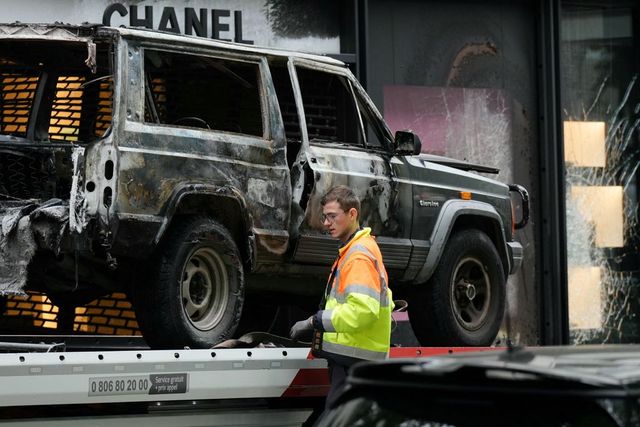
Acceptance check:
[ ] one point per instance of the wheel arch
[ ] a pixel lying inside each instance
(224, 204)
(464, 214)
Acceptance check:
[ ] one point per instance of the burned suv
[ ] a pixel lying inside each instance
(183, 170)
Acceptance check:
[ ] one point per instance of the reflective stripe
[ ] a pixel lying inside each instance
(359, 289)
(336, 283)
(366, 252)
(384, 298)
(359, 353)
(359, 247)
(326, 321)
(383, 281)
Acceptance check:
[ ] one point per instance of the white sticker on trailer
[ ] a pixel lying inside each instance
(138, 384)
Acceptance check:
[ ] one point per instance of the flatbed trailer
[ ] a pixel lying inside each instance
(248, 386)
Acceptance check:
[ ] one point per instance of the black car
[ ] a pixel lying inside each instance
(546, 386)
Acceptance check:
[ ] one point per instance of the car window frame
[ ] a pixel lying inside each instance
(342, 72)
(262, 78)
(373, 115)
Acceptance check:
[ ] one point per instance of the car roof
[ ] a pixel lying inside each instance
(67, 32)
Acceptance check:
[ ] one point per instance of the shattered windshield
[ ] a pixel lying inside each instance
(51, 91)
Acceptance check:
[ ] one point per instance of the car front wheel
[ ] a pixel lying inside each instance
(463, 302)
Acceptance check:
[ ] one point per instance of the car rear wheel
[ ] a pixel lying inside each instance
(194, 293)
(463, 302)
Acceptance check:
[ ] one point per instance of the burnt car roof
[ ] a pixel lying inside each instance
(67, 32)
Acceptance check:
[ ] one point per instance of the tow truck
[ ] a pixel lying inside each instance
(68, 381)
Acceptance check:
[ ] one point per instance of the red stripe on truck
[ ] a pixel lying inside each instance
(315, 382)
(309, 383)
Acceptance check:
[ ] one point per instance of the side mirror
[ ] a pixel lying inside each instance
(407, 143)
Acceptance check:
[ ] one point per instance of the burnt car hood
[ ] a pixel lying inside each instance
(455, 173)
(459, 164)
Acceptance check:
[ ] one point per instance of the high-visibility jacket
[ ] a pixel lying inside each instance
(357, 314)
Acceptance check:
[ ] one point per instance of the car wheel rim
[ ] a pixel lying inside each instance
(204, 288)
(470, 294)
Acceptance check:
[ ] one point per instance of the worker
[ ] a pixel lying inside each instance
(354, 319)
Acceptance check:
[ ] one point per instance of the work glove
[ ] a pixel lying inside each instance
(302, 329)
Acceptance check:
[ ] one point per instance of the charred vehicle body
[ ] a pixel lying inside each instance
(181, 170)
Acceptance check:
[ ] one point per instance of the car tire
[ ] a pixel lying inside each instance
(194, 292)
(463, 302)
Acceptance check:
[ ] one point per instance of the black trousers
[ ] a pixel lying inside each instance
(338, 370)
(337, 379)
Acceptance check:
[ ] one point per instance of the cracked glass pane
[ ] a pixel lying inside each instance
(464, 80)
(601, 115)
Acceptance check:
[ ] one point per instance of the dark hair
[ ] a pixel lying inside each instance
(345, 197)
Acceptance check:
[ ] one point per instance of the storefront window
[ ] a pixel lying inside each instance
(462, 76)
(601, 118)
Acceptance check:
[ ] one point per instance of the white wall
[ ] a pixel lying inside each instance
(255, 20)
